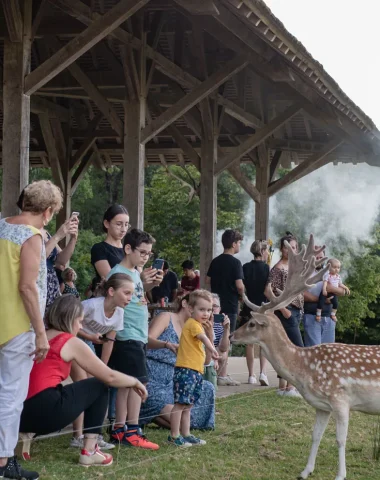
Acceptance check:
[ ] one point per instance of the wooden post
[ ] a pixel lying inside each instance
(134, 150)
(262, 207)
(16, 123)
(208, 196)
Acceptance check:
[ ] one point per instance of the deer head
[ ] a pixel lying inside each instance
(302, 275)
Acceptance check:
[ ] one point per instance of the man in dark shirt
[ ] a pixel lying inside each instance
(190, 281)
(323, 331)
(225, 275)
(167, 288)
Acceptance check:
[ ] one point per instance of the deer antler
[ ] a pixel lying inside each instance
(301, 277)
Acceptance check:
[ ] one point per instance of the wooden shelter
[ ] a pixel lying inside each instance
(128, 82)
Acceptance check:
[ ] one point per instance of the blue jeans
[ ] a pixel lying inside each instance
(318, 332)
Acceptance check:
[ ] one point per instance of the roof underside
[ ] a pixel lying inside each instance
(241, 26)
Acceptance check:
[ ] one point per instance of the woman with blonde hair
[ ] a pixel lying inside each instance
(256, 274)
(68, 287)
(22, 306)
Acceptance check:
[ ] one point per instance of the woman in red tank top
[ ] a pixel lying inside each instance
(50, 406)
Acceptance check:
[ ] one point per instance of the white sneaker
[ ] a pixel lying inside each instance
(292, 393)
(77, 442)
(103, 445)
(252, 380)
(263, 379)
(227, 382)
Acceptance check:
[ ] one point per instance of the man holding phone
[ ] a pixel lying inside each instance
(169, 285)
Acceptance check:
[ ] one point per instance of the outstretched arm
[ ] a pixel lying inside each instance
(209, 346)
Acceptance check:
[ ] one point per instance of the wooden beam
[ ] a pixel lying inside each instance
(244, 182)
(81, 171)
(90, 139)
(38, 17)
(14, 20)
(199, 7)
(53, 110)
(262, 207)
(274, 164)
(208, 206)
(256, 139)
(99, 28)
(239, 113)
(98, 98)
(83, 13)
(194, 97)
(307, 166)
(51, 148)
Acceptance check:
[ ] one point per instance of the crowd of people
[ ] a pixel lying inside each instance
(123, 365)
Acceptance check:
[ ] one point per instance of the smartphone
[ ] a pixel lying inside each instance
(158, 264)
(218, 318)
(75, 214)
(107, 339)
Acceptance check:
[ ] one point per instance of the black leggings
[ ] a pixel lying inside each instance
(55, 408)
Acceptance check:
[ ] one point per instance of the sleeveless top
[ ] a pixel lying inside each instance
(53, 370)
(13, 317)
(70, 291)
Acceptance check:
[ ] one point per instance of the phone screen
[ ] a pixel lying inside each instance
(218, 318)
(158, 264)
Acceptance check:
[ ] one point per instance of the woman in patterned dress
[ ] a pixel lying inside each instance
(290, 316)
(164, 333)
(69, 276)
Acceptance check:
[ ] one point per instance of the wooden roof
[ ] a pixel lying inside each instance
(187, 45)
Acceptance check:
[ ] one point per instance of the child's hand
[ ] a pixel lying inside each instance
(346, 291)
(216, 365)
(215, 355)
(141, 390)
(209, 329)
(324, 292)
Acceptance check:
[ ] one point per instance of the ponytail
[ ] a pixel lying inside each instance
(115, 281)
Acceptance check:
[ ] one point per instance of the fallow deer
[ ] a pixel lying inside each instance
(333, 378)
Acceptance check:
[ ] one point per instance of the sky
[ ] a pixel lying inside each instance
(343, 36)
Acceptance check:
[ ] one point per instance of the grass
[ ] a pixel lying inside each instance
(258, 436)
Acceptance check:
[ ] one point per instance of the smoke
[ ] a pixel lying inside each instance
(338, 204)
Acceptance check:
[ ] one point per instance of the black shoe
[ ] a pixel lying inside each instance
(13, 471)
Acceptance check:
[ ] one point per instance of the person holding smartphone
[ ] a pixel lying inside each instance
(169, 285)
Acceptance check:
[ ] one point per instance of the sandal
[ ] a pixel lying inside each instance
(26, 439)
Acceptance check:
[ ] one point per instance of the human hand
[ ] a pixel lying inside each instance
(42, 347)
(324, 292)
(172, 347)
(216, 365)
(149, 277)
(286, 313)
(226, 322)
(209, 329)
(140, 389)
(215, 354)
(70, 227)
(346, 291)
(96, 338)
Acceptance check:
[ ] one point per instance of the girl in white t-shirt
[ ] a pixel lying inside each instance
(103, 317)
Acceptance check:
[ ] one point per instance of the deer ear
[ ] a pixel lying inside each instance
(261, 320)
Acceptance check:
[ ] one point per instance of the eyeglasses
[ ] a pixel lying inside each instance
(216, 306)
(144, 253)
(121, 225)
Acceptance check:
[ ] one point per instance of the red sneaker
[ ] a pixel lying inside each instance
(139, 440)
(99, 458)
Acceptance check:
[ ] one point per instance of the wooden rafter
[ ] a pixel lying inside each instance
(274, 164)
(244, 182)
(38, 17)
(199, 7)
(98, 98)
(317, 160)
(88, 142)
(53, 110)
(194, 97)
(256, 139)
(13, 19)
(81, 170)
(51, 150)
(99, 28)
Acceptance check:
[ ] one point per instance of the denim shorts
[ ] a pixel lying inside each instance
(187, 385)
(89, 343)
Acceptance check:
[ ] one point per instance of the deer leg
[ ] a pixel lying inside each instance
(321, 421)
(342, 419)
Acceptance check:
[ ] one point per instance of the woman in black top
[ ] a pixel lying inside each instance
(256, 274)
(105, 255)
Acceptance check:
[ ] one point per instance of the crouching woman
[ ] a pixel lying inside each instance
(50, 406)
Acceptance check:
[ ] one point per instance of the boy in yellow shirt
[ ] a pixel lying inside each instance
(189, 367)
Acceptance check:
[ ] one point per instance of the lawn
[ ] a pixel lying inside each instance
(258, 436)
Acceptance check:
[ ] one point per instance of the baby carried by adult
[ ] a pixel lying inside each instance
(333, 278)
